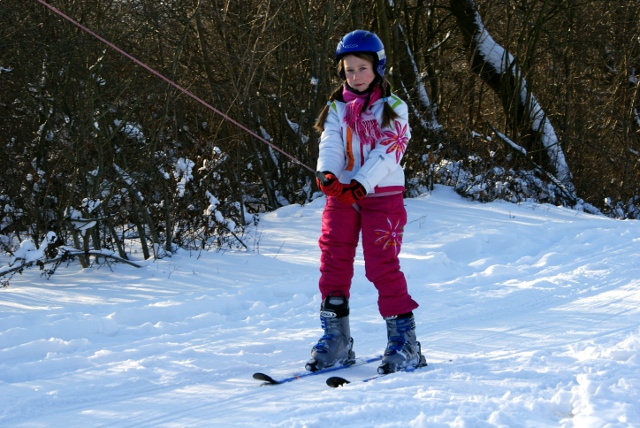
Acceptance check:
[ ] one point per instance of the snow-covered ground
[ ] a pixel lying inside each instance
(530, 316)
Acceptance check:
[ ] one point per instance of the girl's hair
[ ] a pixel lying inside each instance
(388, 113)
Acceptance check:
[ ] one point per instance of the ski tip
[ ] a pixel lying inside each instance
(336, 381)
(265, 378)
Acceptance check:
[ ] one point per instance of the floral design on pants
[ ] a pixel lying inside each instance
(391, 237)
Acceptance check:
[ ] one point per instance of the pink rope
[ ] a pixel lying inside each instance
(172, 83)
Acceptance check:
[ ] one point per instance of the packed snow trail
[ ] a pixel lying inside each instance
(538, 308)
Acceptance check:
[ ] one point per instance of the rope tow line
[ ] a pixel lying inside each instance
(172, 83)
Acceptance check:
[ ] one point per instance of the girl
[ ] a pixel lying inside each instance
(365, 133)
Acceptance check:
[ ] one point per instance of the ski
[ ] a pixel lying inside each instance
(337, 381)
(268, 380)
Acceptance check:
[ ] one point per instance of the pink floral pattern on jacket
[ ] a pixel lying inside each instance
(397, 141)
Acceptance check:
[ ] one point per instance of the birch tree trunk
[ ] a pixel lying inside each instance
(498, 69)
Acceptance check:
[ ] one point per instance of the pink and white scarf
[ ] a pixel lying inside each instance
(362, 123)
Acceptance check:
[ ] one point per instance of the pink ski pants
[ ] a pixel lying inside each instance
(381, 219)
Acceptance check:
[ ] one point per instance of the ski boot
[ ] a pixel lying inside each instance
(335, 347)
(403, 350)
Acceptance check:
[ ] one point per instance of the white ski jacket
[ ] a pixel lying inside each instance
(377, 168)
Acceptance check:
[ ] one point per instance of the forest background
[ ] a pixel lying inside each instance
(517, 100)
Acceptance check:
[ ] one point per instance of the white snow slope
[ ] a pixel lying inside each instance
(529, 317)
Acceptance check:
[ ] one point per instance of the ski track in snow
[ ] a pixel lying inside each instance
(530, 316)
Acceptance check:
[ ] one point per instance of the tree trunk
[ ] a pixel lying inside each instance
(498, 69)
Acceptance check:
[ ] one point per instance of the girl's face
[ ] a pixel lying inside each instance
(358, 72)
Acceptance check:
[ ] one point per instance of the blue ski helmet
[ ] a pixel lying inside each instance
(363, 41)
